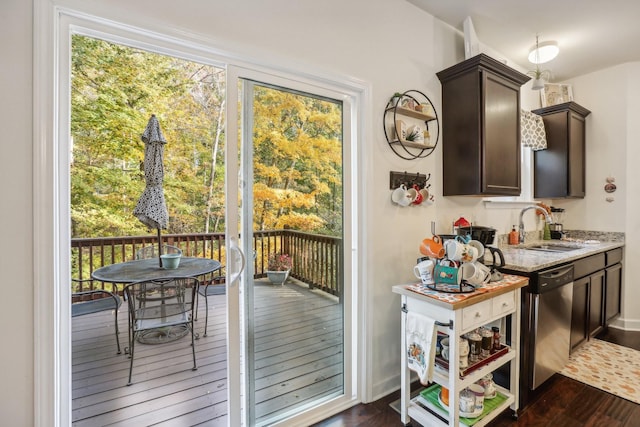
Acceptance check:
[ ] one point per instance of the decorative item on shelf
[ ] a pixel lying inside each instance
(554, 94)
(396, 100)
(415, 134)
(409, 103)
(411, 125)
(278, 268)
(401, 130)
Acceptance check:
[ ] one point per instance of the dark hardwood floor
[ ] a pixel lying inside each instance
(562, 402)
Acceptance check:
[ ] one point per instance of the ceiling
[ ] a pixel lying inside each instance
(591, 34)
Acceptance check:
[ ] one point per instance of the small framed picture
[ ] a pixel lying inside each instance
(554, 94)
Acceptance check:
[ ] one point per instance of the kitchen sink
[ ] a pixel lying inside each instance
(552, 248)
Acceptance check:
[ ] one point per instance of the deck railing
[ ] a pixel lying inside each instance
(317, 259)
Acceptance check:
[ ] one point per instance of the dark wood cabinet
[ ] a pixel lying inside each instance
(596, 294)
(587, 308)
(613, 284)
(481, 127)
(559, 171)
(596, 303)
(579, 312)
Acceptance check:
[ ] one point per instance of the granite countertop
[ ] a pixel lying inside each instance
(519, 259)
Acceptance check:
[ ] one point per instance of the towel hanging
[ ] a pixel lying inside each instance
(421, 336)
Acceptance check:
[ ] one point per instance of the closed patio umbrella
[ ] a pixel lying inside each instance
(152, 208)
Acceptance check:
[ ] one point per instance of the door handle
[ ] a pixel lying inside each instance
(235, 276)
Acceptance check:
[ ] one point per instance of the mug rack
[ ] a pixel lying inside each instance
(396, 179)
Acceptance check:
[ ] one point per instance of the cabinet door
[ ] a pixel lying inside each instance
(613, 288)
(579, 311)
(596, 303)
(576, 156)
(560, 169)
(501, 139)
(550, 165)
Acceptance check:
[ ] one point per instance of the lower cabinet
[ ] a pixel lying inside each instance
(596, 306)
(613, 289)
(596, 295)
(579, 312)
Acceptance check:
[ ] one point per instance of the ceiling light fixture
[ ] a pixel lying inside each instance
(537, 56)
(543, 52)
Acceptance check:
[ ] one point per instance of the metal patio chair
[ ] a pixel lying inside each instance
(160, 306)
(95, 301)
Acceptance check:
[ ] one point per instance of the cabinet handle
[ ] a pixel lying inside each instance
(478, 314)
(504, 304)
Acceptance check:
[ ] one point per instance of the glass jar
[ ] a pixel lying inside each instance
(496, 339)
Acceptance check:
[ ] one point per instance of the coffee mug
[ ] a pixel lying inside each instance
(464, 353)
(462, 252)
(444, 395)
(419, 197)
(447, 273)
(425, 195)
(400, 196)
(432, 247)
(467, 401)
(475, 273)
(412, 194)
(424, 272)
(479, 247)
(463, 239)
(445, 348)
(478, 394)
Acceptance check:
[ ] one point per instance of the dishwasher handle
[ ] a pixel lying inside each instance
(553, 278)
(558, 272)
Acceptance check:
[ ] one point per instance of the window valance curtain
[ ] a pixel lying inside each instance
(532, 132)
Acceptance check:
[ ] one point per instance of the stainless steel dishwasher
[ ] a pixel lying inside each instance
(550, 301)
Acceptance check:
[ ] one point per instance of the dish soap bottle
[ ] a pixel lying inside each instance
(514, 236)
(546, 234)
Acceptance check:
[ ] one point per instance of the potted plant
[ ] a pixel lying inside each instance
(540, 77)
(396, 100)
(278, 268)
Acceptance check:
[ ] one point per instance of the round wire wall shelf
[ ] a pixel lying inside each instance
(395, 128)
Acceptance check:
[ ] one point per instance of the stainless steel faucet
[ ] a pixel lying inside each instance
(521, 224)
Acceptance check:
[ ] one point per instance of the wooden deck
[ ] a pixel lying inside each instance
(298, 358)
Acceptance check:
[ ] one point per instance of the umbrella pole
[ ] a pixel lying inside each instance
(159, 247)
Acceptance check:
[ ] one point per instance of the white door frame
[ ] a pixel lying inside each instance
(53, 23)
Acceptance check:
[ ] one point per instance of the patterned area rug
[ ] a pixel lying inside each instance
(609, 367)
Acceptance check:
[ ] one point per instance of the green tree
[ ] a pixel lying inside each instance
(297, 162)
(115, 89)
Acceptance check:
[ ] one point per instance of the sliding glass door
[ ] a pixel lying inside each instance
(291, 224)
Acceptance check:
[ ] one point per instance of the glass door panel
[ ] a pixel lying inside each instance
(291, 227)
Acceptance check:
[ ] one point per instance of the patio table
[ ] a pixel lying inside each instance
(148, 269)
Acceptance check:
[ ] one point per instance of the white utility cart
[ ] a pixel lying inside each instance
(457, 314)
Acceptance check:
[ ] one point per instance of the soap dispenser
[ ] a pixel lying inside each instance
(513, 236)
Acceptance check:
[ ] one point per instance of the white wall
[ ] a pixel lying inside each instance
(631, 290)
(391, 45)
(612, 150)
(606, 141)
(16, 314)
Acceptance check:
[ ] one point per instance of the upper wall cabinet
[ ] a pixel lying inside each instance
(481, 128)
(559, 171)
